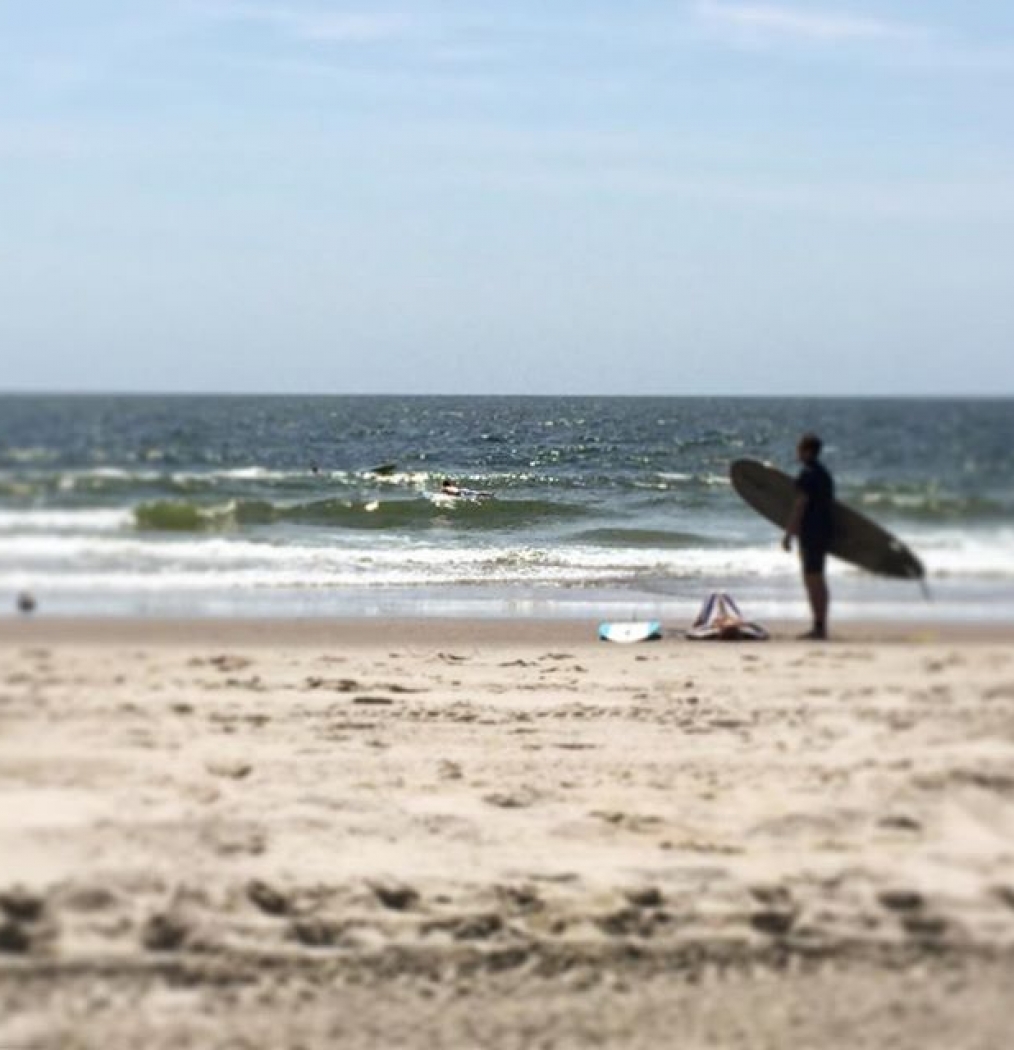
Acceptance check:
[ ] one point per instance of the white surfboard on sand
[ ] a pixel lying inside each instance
(627, 632)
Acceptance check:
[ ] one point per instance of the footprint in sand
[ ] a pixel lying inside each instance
(627, 922)
(899, 822)
(1004, 894)
(924, 927)
(235, 769)
(635, 822)
(229, 662)
(520, 799)
(165, 932)
(773, 921)
(396, 897)
(254, 683)
(336, 685)
(15, 939)
(235, 841)
(267, 898)
(89, 897)
(901, 900)
(315, 932)
(645, 897)
(522, 900)
(19, 905)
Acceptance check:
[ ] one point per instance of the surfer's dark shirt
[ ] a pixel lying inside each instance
(817, 485)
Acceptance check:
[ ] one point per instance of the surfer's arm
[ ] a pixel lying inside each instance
(795, 520)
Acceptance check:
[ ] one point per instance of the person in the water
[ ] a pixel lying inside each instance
(811, 523)
(452, 488)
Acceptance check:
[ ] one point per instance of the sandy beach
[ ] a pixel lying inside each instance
(503, 833)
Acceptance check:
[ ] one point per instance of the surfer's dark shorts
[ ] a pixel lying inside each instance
(813, 557)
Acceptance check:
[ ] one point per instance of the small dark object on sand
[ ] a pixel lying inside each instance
(26, 603)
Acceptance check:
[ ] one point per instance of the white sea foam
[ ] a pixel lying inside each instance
(79, 541)
(97, 559)
(117, 473)
(30, 454)
(72, 480)
(13, 522)
(967, 553)
(210, 477)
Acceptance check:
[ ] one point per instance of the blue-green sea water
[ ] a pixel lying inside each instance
(603, 506)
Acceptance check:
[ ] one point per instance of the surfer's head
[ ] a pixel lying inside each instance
(809, 447)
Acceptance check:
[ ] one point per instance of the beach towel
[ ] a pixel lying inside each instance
(720, 620)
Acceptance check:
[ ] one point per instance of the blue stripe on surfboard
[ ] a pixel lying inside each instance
(643, 631)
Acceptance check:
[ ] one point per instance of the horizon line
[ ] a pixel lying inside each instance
(853, 396)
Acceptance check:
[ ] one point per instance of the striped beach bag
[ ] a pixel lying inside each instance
(720, 620)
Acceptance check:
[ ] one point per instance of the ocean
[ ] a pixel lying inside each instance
(603, 507)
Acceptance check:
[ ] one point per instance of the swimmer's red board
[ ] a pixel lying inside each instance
(856, 539)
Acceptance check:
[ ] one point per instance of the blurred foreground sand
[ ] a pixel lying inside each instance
(502, 834)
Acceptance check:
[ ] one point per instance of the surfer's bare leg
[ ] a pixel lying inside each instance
(820, 601)
(812, 559)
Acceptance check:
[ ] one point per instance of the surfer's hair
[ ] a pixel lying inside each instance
(810, 442)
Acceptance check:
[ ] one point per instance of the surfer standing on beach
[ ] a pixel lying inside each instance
(811, 524)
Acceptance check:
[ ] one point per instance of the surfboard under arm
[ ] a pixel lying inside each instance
(857, 539)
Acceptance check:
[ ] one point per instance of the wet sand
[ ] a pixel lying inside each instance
(436, 833)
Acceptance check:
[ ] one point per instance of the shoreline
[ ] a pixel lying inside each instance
(437, 630)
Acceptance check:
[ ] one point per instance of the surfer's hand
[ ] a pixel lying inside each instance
(787, 542)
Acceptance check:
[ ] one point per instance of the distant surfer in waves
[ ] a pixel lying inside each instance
(811, 524)
(456, 491)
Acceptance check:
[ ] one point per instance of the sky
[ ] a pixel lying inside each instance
(416, 196)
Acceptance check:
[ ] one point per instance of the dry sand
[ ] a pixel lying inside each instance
(437, 834)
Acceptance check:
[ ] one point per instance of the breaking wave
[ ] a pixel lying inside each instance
(412, 513)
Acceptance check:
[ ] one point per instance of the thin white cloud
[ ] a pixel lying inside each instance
(319, 26)
(39, 141)
(772, 22)
(931, 202)
(352, 28)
